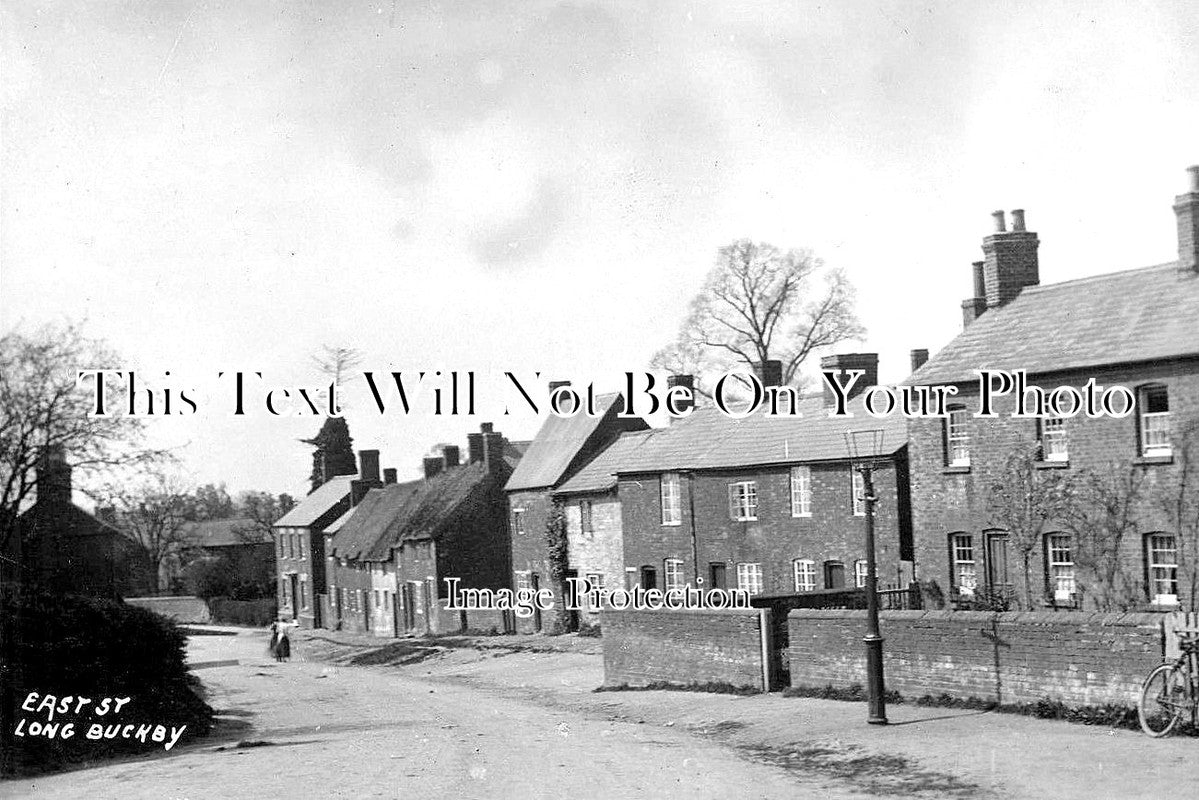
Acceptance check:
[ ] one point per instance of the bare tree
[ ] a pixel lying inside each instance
(760, 303)
(336, 361)
(1024, 500)
(156, 515)
(41, 407)
(1102, 512)
(1178, 498)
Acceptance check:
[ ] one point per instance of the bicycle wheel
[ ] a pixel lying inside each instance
(1163, 698)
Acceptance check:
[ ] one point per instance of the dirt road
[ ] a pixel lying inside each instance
(355, 717)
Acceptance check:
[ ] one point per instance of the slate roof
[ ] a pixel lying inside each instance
(710, 439)
(315, 505)
(225, 533)
(558, 443)
(1143, 314)
(599, 474)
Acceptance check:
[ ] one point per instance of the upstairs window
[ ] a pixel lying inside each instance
(1060, 558)
(743, 501)
(805, 575)
(673, 569)
(957, 437)
(518, 521)
(1054, 445)
(801, 491)
(857, 485)
(523, 583)
(672, 513)
(965, 571)
(749, 578)
(1162, 556)
(585, 516)
(1155, 421)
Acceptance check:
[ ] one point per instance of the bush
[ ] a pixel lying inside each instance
(87, 647)
(255, 613)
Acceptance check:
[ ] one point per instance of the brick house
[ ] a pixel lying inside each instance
(766, 504)
(1139, 329)
(300, 539)
(59, 547)
(560, 448)
(594, 524)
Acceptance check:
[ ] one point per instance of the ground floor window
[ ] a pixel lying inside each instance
(965, 571)
(1163, 569)
(749, 578)
(673, 570)
(859, 573)
(1060, 558)
(805, 575)
(303, 593)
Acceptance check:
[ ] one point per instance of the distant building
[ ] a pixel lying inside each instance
(61, 548)
(767, 504)
(1138, 328)
(300, 547)
(242, 545)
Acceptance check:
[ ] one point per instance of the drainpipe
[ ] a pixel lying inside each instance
(699, 578)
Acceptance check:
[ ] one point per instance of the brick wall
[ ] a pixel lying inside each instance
(776, 538)
(682, 647)
(947, 500)
(1077, 658)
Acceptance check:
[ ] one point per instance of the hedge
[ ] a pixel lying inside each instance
(93, 648)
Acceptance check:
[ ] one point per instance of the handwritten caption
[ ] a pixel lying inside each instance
(55, 717)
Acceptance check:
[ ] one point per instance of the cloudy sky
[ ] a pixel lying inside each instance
(541, 186)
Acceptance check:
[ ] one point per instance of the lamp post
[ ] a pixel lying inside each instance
(864, 448)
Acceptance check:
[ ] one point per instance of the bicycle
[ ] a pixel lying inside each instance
(1172, 690)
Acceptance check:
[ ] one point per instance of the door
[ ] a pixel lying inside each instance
(409, 608)
(295, 595)
(572, 615)
(717, 578)
(834, 575)
(998, 581)
(427, 596)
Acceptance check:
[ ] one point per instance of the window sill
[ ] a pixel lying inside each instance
(672, 524)
(1052, 464)
(955, 470)
(1149, 461)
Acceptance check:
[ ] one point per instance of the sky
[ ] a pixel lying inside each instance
(541, 187)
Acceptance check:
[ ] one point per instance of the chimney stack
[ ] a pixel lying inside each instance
(1186, 207)
(841, 363)
(368, 476)
(450, 454)
(432, 465)
(53, 476)
(683, 380)
(1011, 260)
(486, 428)
(770, 373)
(493, 452)
(474, 448)
(919, 356)
(389, 475)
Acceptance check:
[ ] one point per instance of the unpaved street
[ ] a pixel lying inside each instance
(517, 717)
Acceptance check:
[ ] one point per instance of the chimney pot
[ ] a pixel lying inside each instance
(557, 384)
(54, 476)
(1000, 225)
(919, 356)
(1017, 219)
(389, 475)
(683, 380)
(1011, 261)
(486, 428)
(1194, 173)
(450, 454)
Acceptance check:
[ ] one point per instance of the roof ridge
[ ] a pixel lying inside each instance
(1100, 276)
